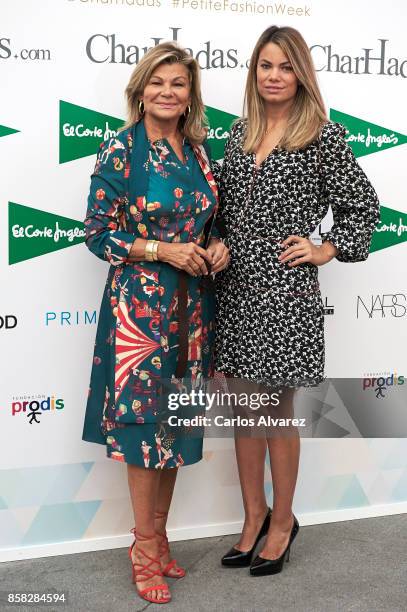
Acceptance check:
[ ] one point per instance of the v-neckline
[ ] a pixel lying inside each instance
(169, 146)
(183, 163)
(269, 154)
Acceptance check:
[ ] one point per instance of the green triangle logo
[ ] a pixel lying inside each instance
(219, 129)
(364, 137)
(6, 131)
(34, 232)
(391, 229)
(81, 130)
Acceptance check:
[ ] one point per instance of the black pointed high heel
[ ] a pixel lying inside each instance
(238, 558)
(266, 567)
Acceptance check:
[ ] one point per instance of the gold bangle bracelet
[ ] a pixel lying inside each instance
(150, 251)
(146, 251)
(148, 255)
(155, 250)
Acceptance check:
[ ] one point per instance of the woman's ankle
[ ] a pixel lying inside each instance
(254, 515)
(150, 547)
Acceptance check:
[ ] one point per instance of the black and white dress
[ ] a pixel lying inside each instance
(270, 323)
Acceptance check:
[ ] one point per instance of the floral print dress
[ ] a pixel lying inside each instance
(270, 317)
(137, 341)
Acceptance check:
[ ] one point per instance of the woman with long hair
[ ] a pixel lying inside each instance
(151, 212)
(285, 163)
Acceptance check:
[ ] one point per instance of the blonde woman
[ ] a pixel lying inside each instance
(151, 212)
(284, 164)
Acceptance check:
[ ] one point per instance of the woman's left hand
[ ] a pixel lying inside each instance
(304, 251)
(220, 255)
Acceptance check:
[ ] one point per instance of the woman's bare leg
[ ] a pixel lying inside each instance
(164, 497)
(250, 455)
(144, 487)
(284, 453)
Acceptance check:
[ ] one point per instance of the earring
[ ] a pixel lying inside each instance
(141, 107)
(188, 108)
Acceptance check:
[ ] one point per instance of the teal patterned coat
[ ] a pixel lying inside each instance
(136, 342)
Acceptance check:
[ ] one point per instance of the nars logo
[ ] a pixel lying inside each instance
(381, 306)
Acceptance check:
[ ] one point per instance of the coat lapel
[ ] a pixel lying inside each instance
(138, 185)
(203, 161)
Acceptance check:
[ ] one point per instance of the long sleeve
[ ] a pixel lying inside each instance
(354, 203)
(105, 218)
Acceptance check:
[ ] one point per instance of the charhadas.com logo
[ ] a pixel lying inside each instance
(365, 138)
(81, 130)
(35, 232)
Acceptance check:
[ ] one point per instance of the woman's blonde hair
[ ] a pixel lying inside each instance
(308, 111)
(193, 126)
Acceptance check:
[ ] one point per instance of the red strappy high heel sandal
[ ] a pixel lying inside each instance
(144, 572)
(164, 548)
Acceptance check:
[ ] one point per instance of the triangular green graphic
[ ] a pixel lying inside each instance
(365, 137)
(81, 130)
(34, 232)
(391, 229)
(219, 128)
(6, 131)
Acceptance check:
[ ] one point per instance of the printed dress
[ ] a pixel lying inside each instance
(270, 321)
(137, 341)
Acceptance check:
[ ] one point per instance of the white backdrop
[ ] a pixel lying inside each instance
(60, 70)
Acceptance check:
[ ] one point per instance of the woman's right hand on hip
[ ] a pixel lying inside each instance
(186, 256)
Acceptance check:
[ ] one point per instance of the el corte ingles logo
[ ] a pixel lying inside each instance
(35, 232)
(364, 137)
(81, 130)
(391, 229)
(219, 129)
(6, 131)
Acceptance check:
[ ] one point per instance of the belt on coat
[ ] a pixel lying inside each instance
(183, 324)
(183, 321)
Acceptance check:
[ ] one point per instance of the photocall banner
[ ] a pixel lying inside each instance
(64, 65)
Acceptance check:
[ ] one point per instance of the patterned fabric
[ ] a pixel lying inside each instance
(136, 346)
(270, 316)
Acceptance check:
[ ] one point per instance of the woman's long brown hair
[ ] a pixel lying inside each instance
(308, 111)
